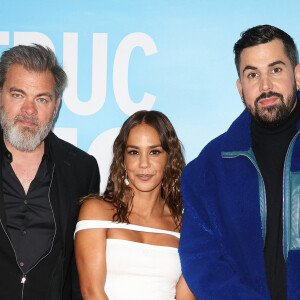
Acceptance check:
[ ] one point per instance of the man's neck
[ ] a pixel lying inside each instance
(38, 152)
(25, 164)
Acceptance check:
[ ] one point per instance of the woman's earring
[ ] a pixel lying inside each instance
(126, 178)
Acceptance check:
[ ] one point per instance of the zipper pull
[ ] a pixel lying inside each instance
(23, 279)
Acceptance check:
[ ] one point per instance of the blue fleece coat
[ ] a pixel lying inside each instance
(222, 236)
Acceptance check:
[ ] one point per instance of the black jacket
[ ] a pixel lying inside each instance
(75, 174)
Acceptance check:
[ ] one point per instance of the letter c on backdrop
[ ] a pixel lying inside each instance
(120, 72)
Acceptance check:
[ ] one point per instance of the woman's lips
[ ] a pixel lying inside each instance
(145, 177)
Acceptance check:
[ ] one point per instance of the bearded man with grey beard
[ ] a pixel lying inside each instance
(42, 178)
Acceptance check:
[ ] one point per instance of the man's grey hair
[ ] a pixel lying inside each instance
(34, 58)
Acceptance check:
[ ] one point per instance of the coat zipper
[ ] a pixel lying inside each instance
(283, 197)
(23, 280)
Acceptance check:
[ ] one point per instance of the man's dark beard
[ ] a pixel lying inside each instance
(278, 112)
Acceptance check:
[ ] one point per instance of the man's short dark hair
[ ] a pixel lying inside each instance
(264, 34)
(34, 58)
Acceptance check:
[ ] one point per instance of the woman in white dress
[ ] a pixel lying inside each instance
(126, 242)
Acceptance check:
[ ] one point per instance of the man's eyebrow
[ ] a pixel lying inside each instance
(249, 68)
(14, 89)
(45, 94)
(277, 62)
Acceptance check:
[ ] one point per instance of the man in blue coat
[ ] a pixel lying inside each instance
(240, 237)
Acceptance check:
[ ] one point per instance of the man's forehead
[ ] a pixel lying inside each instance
(18, 67)
(20, 72)
(263, 54)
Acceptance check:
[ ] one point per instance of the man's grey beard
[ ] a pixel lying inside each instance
(24, 138)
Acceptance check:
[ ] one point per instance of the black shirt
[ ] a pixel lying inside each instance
(270, 147)
(29, 217)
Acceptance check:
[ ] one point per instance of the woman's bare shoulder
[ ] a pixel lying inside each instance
(96, 209)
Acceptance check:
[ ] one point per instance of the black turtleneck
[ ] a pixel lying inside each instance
(270, 146)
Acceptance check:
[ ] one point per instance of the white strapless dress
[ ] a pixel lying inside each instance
(137, 271)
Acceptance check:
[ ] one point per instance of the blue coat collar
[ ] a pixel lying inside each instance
(238, 136)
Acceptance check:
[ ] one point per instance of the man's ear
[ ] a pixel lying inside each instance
(239, 87)
(57, 105)
(297, 76)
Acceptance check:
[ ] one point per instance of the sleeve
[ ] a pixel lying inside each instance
(208, 273)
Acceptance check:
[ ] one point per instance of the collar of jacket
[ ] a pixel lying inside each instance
(238, 136)
(62, 191)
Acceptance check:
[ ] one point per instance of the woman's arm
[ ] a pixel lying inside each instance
(90, 247)
(182, 290)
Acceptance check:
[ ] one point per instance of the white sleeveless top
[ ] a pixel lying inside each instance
(138, 271)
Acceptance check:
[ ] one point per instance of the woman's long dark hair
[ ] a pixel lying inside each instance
(120, 195)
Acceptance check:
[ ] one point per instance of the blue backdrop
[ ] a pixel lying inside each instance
(122, 56)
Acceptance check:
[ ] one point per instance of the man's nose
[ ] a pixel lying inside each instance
(265, 83)
(29, 107)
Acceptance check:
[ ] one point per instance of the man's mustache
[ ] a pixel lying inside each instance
(27, 118)
(268, 95)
